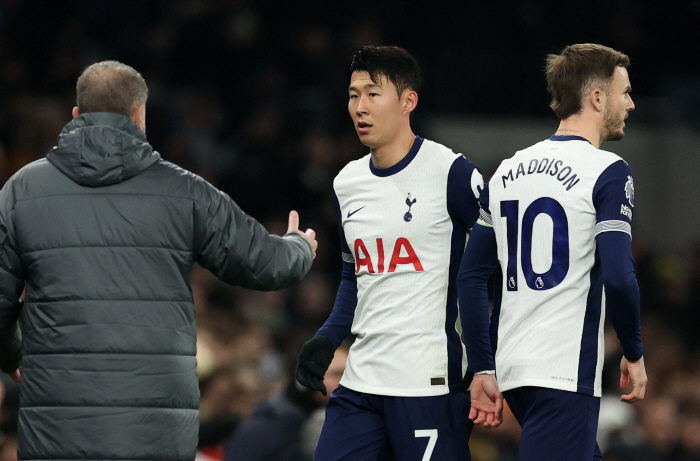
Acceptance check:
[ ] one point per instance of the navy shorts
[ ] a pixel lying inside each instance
(368, 427)
(557, 425)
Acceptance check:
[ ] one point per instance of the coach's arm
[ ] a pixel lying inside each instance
(239, 251)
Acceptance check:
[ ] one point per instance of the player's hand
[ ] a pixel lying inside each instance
(309, 235)
(315, 357)
(16, 375)
(487, 401)
(635, 372)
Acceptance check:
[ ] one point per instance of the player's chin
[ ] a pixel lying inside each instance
(615, 135)
(367, 141)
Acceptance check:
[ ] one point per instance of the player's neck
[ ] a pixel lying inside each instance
(578, 126)
(390, 154)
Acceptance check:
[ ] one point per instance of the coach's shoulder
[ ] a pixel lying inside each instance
(33, 176)
(21, 185)
(177, 176)
(176, 181)
(37, 168)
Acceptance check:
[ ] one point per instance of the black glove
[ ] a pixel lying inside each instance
(315, 357)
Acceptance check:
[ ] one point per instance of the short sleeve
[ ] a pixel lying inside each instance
(464, 185)
(613, 198)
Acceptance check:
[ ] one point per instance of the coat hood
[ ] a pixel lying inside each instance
(102, 148)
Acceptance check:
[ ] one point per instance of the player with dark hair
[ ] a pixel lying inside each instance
(404, 211)
(557, 219)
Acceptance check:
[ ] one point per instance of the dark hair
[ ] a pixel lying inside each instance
(390, 62)
(110, 86)
(578, 67)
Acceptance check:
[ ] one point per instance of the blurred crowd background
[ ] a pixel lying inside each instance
(251, 95)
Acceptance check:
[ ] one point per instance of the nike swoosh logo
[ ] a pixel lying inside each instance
(350, 214)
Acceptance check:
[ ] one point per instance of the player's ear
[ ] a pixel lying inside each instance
(75, 112)
(597, 99)
(139, 117)
(410, 101)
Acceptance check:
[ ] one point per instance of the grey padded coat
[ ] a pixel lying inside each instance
(104, 233)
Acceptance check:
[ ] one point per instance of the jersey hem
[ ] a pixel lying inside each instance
(393, 392)
(570, 387)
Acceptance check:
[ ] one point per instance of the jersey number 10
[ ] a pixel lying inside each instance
(560, 243)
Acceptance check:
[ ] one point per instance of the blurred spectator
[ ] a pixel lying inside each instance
(657, 435)
(287, 426)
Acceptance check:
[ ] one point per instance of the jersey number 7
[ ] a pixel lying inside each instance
(560, 243)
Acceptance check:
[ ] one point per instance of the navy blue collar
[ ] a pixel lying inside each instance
(403, 163)
(557, 137)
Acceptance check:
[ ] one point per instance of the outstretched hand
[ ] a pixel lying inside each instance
(309, 235)
(635, 372)
(487, 401)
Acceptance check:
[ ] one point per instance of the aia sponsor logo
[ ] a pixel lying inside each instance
(363, 257)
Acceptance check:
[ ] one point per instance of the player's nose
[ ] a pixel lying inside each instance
(630, 105)
(361, 107)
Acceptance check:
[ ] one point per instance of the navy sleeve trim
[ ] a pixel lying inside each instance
(613, 198)
(464, 184)
(478, 264)
(337, 326)
(621, 291)
(339, 218)
(339, 323)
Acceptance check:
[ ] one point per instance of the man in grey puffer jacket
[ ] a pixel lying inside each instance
(104, 234)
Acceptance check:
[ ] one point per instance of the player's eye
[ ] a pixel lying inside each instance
(374, 94)
(353, 96)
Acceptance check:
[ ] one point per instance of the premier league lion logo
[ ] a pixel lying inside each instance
(629, 190)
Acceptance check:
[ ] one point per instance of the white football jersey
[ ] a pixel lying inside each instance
(405, 237)
(546, 204)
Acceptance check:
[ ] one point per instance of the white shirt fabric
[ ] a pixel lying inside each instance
(550, 330)
(399, 233)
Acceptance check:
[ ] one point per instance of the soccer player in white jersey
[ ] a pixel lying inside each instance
(404, 211)
(557, 219)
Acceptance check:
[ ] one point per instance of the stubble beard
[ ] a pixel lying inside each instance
(613, 130)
